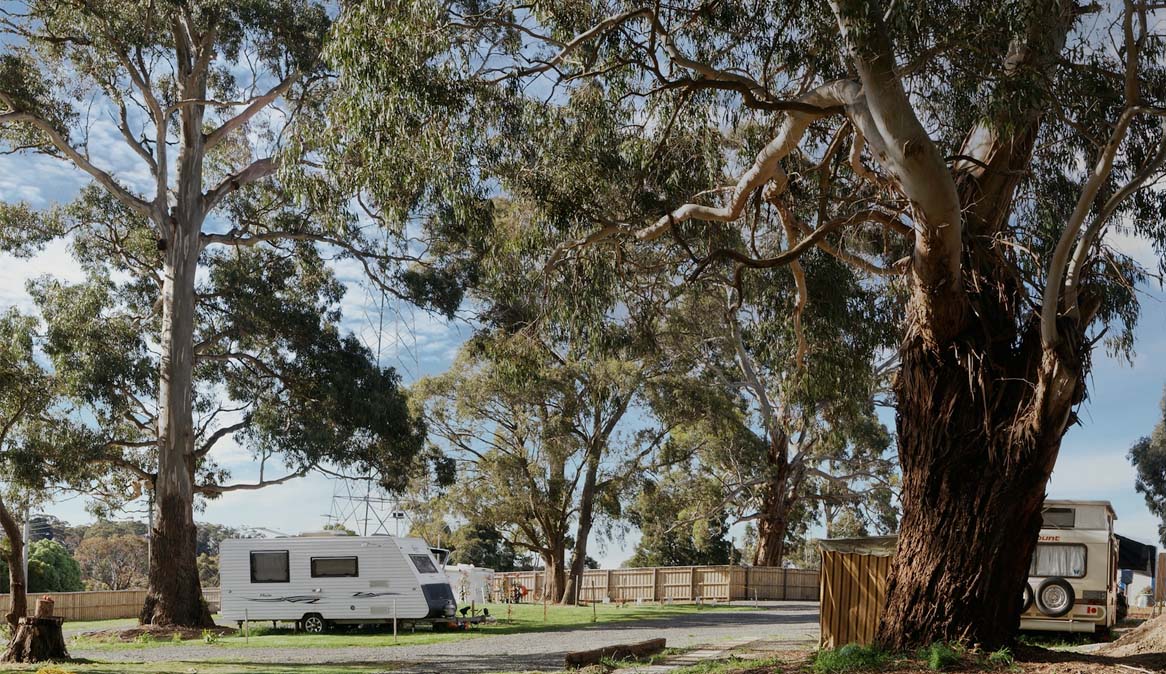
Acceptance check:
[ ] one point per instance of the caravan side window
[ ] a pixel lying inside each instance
(1053, 559)
(423, 563)
(335, 567)
(270, 566)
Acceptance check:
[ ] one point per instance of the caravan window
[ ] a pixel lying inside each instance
(334, 567)
(1059, 518)
(1050, 559)
(423, 563)
(270, 566)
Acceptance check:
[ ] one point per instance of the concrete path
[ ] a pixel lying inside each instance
(792, 624)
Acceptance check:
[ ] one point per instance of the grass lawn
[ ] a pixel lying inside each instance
(522, 618)
(197, 668)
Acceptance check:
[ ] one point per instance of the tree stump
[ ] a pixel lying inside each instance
(37, 640)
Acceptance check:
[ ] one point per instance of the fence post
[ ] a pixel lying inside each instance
(692, 583)
(656, 593)
(784, 584)
(607, 587)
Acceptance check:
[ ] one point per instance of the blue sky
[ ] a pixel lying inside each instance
(1123, 402)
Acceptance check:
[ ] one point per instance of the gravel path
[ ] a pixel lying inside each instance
(795, 623)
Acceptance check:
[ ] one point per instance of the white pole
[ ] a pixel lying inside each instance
(394, 621)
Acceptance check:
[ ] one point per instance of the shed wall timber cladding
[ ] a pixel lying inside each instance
(677, 584)
(100, 605)
(854, 587)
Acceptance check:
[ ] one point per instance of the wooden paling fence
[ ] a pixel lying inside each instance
(100, 605)
(675, 584)
(854, 587)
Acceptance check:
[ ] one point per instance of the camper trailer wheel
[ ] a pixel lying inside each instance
(314, 623)
(1026, 603)
(1055, 597)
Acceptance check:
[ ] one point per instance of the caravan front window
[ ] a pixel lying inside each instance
(270, 566)
(423, 563)
(1051, 559)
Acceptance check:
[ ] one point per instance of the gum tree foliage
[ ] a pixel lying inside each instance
(1149, 458)
(209, 236)
(674, 529)
(42, 442)
(971, 172)
(572, 356)
(781, 414)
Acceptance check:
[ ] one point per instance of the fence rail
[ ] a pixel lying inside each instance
(100, 605)
(680, 584)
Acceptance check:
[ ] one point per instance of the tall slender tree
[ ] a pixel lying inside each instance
(968, 156)
(217, 105)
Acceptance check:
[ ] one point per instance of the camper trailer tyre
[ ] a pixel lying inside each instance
(314, 623)
(1026, 603)
(1055, 597)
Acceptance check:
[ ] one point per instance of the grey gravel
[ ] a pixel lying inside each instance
(795, 623)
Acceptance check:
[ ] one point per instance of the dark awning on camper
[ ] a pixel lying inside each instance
(1136, 556)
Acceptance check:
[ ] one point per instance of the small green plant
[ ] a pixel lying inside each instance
(176, 637)
(850, 658)
(1001, 658)
(210, 637)
(144, 638)
(53, 669)
(941, 656)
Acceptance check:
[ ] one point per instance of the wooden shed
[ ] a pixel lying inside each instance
(854, 586)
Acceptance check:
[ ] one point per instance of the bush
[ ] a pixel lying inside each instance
(53, 669)
(850, 658)
(1001, 658)
(210, 637)
(940, 656)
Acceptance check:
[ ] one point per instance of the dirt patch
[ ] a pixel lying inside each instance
(156, 633)
(1147, 638)
(1029, 660)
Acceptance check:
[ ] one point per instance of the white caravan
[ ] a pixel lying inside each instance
(1072, 579)
(320, 579)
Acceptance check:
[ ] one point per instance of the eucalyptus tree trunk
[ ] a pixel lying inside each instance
(983, 399)
(583, 529)
(776, 502)
(175, 594)
(17, 583)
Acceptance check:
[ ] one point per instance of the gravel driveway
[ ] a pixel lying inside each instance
(792, 622)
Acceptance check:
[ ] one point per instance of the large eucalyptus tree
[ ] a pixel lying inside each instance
(207, 236)
(968, 156)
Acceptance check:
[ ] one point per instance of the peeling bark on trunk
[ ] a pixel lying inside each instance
(980, 423)
(583, 530)
(175, 596)
(773, 518)
(15, 557)
(554, 574)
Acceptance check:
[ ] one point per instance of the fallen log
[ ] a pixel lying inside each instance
(37, 640)
(618, 652)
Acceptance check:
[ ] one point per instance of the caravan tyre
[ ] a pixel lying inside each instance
(1055, 597)
(314, 623)
(1026, 603)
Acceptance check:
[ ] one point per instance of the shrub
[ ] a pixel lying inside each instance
(210, 637)
(53, 669)
(940, 656)
(1001, 658)
(850, 658)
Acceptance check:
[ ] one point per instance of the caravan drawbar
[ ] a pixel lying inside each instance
(320, 579)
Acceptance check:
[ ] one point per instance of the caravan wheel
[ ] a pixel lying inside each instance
(314, 623)
(1055, 597)
(1026, 603)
